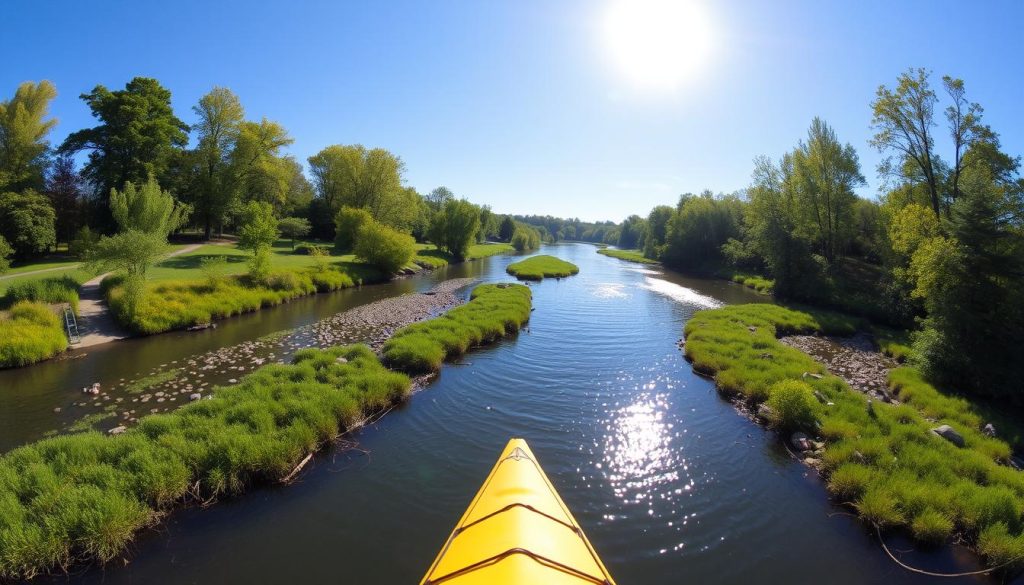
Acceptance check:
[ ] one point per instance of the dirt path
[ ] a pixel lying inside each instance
(95, 323)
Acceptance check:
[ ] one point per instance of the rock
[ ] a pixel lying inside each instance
(947, 432)
(764, 411)
(801, 441)
(989, 430)
(813, 375)
(820, 397)
(341, 360)
(118, 430)
(195, 396)
(56, 409)
(811, 461)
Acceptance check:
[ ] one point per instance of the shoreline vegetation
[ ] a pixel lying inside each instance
(79, 498)
(627, 255)
(431, 257)
(895, 464)
(541, 267)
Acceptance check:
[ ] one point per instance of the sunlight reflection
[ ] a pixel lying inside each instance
(680, 293)
(638, 451)
(608, 290)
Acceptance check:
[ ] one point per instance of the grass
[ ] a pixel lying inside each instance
(494, 310)
(51, 289)
(430, 256)
(29, 333)
(628, 255)
(884, 460)
(146, 382)
(541, 267)
(77, 274)
(759, 283)
(188, 266)
(53, 261)
(83, 497)
(893, 343)
(177, 304)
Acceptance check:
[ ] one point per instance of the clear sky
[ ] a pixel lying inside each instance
(564, 107)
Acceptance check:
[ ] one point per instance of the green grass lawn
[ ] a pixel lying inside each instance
(187, 266)
(55, 261)
(628, 255)
(541, 267)
(429, 256)
(75, 273)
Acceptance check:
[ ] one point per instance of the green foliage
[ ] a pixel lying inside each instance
(147, 209)
(384, 248)
(27, 222)
(321, 258)
(258, 233)
(370, 179)
(507, 229)
(85, 496)
(525, 238)
(494, 310)
(30, 333)
(5, 253)
(758, 283)
(541, 267)
(628, 255)
(215, 185)
(657, 231)
(793, 405)
(56, 289)
(214, 269)
(885, 461)
(84, 243)
(294, 228)
(23, 132)
(130, 251)
(1000, 547)
(176, 304)
(347, 223)
(137, 136)
(698, 229)
(455, 226)
(632, 233)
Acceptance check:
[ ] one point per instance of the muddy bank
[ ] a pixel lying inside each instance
(854, 359)
(178, 382)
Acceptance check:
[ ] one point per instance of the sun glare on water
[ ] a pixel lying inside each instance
(657, 44)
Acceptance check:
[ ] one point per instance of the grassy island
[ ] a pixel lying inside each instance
(541, 267)
(627, 255)
(494, 310)
(882, 459)
(83, 497)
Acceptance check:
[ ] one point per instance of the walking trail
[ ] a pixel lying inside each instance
(95, 323)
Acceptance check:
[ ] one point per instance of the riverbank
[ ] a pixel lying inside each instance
(541, 267)
(897, 465)
(261, 430)
(627, 255)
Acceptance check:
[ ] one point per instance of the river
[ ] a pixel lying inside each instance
(669, 481)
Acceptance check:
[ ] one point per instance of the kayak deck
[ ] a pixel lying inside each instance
(517, 530)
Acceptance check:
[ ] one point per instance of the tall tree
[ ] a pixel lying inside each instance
(439, 197)
(220, 116)
(136, 139)
(371, 179)
(23, 131)
(27, 222)
(454, 228)
(825, 174)
(964, 128)
(259, 168)
(902, 119)
(64, 188)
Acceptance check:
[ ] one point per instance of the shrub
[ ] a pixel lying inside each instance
(214, 269)
(932, 526)
(321, 258)
(541, 267)
(30, 333)
(84, 242)
(308, 249)
(492, 312)
(347, 223)
(384, 248)
(282, 281)
(259, 263)
(792, 405)
(525, 238)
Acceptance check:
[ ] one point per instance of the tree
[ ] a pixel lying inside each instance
(438, 198)
(383, 247)
(347, 224)
(632, 233)
(294, 228)
(507, 229)
(136, 139)
(64, 189)
(825, 174)
(964, 127)
(454, 228)
(257, 234)
(525, 238)
(147, 209)
(23, 131)
(220, 116)
(657, 231)
(698, 229)
(354, 176)
(27, 222)
(5, 253)
(902, 120)
(260, 171)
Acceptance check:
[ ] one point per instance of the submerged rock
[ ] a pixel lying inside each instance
(801, 442)
(118, 430)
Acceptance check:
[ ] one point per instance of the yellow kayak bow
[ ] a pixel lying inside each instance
(517, 531)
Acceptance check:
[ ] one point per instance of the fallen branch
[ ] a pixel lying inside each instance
(288, 478)
(931, 574)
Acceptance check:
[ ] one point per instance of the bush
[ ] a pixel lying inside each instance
(259, 263)
(384, 248)
(932, 526)
(214, 269)
(525, 238)
(30, 333)
(5, 253)
(308, 249)
(84, 496)
(541, 267)
(347, 223)
(84, 242)
(793, 405)
(492, 312)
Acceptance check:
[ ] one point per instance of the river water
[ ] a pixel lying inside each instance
(670, 483)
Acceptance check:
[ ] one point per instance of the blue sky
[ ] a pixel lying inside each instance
(517, 104)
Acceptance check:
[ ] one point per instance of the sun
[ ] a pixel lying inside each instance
(657, 44)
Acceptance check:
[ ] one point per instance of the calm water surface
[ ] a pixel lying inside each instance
(669, 482)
